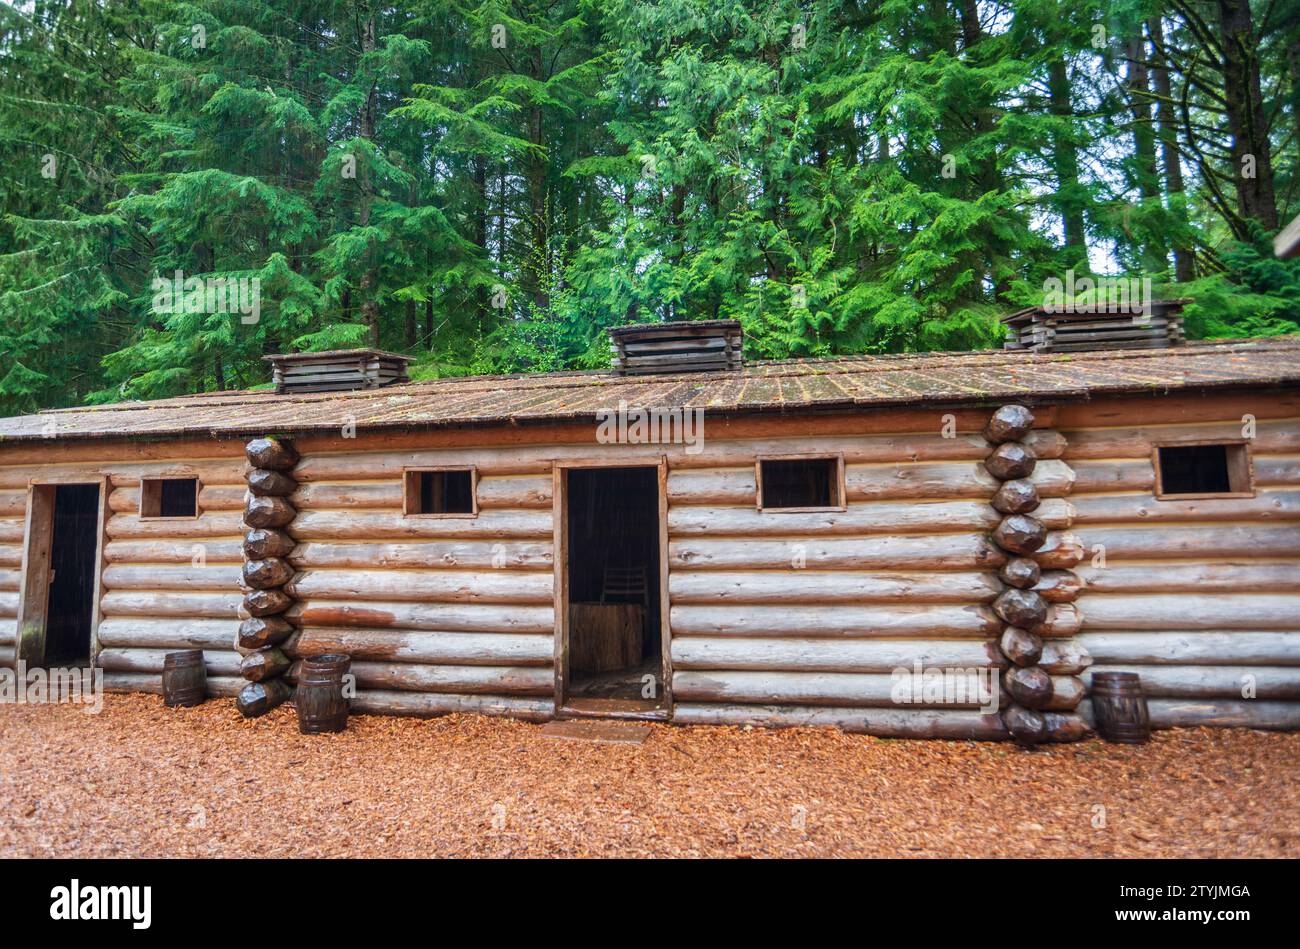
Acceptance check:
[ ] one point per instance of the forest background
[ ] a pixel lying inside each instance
(489, 186)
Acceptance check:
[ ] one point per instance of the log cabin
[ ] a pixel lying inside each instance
(688, 537)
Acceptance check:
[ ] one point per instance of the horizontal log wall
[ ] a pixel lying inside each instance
(457, 613)
(777, 618)
(1201, 597)
(794, 618)
(167, 584)
(438, 614)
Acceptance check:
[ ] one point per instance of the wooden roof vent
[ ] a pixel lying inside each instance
(1076, 328)
(337, 370)
(691, 346)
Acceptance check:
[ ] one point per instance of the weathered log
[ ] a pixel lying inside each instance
(431, 586)
(122, 474)
(260, 631)
(1061, 549)
(821, 587)
(417, 677)
(211, 576)
(1216, 611)
(266, 602)
(268, 512)
(1060, 586)
(1022, 647)
(1009, 423)
(457, 617)
(1221, 713)
(174, 550)
(1193, 648)
(273, 484)
(1212, 682)
(211, 605)
(226, 686)
(1023, 608)
(195, 530)
(1192, 577)
(268, 573)
(1018, 496)
(218, 662)
(272, 453)
(1027, 727)
(258, 698)
(420, 646)
(1065, 726)
(882, 722)
(869, 517)
(968, 689)
(1030, 686)
(880, 622)
(830, 655)
(1067, 692)
(1266, 506)
(1045, 444)
(1063, 620)
(1064, 657)
(1009, 461)
(267, 543)
(164, 634)
(432, 554)
(1139, 475)
(1020, 534)
(1272, 437)
(1220, 542)
(375, 525)
(262, 664)
(13, 503)
(1020, 572)
(427, 704)
(923, 552)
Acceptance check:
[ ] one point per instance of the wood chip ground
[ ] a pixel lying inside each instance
(143, 780)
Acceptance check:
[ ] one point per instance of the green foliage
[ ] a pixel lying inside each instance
(488, 186)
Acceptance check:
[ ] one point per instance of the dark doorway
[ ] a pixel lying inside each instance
(613, 583)
(73, 541)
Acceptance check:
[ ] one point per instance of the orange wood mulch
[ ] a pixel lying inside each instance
(143, 780)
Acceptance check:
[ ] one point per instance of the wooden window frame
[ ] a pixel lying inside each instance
(473, 491)
(1243, 463)
(198, 490)
(838, 486)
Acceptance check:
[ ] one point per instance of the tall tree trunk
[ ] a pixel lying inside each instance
(1252, 162)
(1184, 258)
(1065, 161)
(369, 279)
(1146, 177)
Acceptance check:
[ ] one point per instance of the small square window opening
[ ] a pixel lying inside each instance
(169, 497)
(799, 483)
(449, 492)
(1202, 470)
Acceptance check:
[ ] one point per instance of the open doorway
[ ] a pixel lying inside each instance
(615, 650)
(59, 583)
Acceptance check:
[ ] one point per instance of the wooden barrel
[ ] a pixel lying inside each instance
(1120, 708)
(322, 706)
(184, 678)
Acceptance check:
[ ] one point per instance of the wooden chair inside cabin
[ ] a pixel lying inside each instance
(625, 585)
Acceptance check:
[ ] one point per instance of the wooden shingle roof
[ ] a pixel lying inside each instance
(807, 385)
